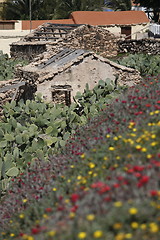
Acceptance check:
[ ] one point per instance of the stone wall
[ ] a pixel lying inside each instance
(87, 37)
(92, 38)
(149, 46)
(27, 50)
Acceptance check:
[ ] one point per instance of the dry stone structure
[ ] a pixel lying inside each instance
(149, 46)
(72, 69)
(92, 38)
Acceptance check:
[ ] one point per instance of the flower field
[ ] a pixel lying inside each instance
(105, 184)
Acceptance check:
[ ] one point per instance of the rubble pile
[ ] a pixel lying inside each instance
(92, 38)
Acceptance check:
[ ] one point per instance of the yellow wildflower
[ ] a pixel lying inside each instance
(91, 165)
(153, 227)
(107, 136)
(144, 149)
(79, 177)
(117, 225)
(128, 235)
(120, 236)
(118, 204)
(134, 225)
(12, 235)
(133, 211)
(90, 217)
(143, 226)
(21, 216)
(54, 189)
(98, 234)
(83, 155)
(51, 233)
(138, 147)
(72, 215)
(82, 235)
(30, 238)
(115, 138)
(153, 144)
(111, 148)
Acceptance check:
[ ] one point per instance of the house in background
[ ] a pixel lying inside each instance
(130, 23)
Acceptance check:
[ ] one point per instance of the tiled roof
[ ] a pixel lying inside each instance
(36, 23)
(109, 18)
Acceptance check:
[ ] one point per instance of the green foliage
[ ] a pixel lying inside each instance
(36, 129)
(153, 4)
(144, 63)
(7, 66)
(119, 5)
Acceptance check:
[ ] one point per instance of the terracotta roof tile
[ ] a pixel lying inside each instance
(36, 23)
(108, 18)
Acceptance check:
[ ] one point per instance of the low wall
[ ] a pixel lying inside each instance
(149, 46)
(27, 50)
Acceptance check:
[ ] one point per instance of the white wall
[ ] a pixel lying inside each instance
(137, 31)
(140, 31)
(7, 37)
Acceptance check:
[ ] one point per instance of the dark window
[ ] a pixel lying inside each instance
(126, 31)
(61, 94)
(7, 25)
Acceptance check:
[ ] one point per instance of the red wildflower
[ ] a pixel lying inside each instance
(116, 185)
(74, 197)
(74, 208)
(143, 181)
(137, 175)
(104, 189)
(107, 199)
(138, 168)
(153, 193)
(48, 209)
(97, 185)
(148, 105)
(60, 208)
(35, 230)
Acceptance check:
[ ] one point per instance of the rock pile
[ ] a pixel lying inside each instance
(92, 38)
(149, 46)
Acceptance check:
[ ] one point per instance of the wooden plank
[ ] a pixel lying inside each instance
(53, 33)
(7, 88)
(63, 28)
(70, 57)
(34, 37)
(61, 24)
(55, 57)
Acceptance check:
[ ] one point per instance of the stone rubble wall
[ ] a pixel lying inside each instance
(87, 37)
(149, 46)
(27, 50)
(92, 38)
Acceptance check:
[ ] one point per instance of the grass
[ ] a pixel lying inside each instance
(104, 185)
